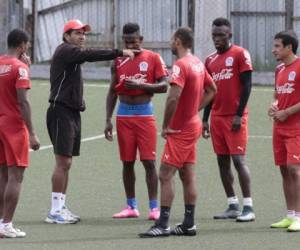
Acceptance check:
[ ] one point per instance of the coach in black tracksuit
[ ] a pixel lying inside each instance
(66, 103)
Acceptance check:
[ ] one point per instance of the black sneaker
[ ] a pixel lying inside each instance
(247, 215)
(181, 230)
(232, 212)
(156, 231)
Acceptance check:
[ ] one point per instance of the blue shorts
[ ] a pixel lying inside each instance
(125, 109)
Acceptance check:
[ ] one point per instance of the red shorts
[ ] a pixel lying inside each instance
(286, 147)
(137, 132)
(14, 146)
(224, 140)
(180, 148)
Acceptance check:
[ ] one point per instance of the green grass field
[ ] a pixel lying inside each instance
(96, 190)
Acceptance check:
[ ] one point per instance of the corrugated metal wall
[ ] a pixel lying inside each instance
(158, 20)
(11, 17)
(255, 22)
(296, 23)
(206, 12)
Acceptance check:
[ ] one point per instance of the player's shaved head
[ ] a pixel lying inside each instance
(288, 37)
(131, 29)
(221, 21)
(221, 34)
(16, 37)
(186, 36)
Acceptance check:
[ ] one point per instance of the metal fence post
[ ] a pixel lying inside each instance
(34, 5)
(115, 22)
(289, 8)
(3, 24)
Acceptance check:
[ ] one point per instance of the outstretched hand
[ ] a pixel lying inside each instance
(131, 53)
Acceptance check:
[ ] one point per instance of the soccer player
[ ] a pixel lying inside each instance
(191, 89)
(230, 67)
(285, 112)
(16, 130)
(66, 103)
(135, 82)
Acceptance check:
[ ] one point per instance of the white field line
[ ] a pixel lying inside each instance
(114, 133)
(92, 85)
(83, 140)
(263, 89)
(260, 136)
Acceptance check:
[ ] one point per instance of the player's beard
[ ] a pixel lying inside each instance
(174, 51)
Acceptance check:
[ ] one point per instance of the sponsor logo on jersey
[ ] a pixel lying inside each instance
(297, 157)
(141, 77)
(247, 57)
(4, 69)
(143, 66)
(292, 76)
(229, 61)
(175, 71)
(23, 73)
(225, 74)
(286, 88)
(166, 156)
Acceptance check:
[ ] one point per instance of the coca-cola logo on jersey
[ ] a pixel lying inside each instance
(286, 88)
(225, 74)
(141, 77)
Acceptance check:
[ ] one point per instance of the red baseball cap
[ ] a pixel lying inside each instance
(76, 24)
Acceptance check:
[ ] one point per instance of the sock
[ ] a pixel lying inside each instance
(290, 214)
(55, 202)
(163, 220)
(189, 216)
(232, 200)
(3, 225)
(297, 216)
(248, 202)
(63, 200)
(152, 204)
(132, 203)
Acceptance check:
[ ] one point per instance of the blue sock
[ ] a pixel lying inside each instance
(132, 203)
(153, 204)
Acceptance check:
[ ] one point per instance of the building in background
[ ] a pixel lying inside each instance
(12, 16)
(254, 23)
